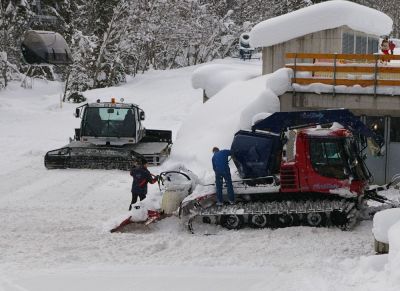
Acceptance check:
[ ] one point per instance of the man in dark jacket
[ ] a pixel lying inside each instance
(220, 164)
(141, 176)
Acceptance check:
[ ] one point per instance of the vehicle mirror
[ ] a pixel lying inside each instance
(110, 110)
(141, 115)
(77, 112)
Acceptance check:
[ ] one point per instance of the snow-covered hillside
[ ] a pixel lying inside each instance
(52, 221)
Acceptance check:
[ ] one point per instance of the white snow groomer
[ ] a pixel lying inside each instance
(111, 136)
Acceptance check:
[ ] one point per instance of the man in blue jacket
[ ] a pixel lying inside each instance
(220, 164)
(141, 176)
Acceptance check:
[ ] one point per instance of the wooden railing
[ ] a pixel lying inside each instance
(346, 69)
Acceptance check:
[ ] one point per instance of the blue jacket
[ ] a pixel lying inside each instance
(141, 176)
(220, 161)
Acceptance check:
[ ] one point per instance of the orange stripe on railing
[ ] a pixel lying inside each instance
(342, 65)
(341, 56)
(344, 69)
(346, 82)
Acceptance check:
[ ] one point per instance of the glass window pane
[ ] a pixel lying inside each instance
(373, 44)
(109, 122)
(113, 113)
(348, 43)
(395, 129)
(361, 44)
(327, 158)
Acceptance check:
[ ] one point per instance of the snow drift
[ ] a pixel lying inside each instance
(212, 78)
(215, 122)
(383, 221)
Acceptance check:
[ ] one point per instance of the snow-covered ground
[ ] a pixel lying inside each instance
(52, 221)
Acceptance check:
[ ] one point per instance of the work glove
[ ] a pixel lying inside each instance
(155, 179)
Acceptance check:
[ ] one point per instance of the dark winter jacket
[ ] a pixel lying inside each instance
(141, 176)
(220, 161)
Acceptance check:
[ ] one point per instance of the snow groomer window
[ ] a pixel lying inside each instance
(327, 158)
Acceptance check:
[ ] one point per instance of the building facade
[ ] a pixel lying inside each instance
(337, 40)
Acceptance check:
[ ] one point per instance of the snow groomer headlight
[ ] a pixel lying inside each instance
(60, 152)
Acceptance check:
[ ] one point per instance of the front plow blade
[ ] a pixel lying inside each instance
(91, 158)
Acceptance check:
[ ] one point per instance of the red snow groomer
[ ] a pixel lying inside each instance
(297, 168)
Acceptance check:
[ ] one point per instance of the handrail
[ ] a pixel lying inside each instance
(336, 66)
(369, 57)
(347, 82)
(344, 69)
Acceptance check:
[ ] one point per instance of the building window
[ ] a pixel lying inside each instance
(395, 129)
(358, 44)
(348, 43)
(373, 44)
(361, 44)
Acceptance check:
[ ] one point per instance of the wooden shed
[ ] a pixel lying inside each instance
(342, 39)
(328, 27)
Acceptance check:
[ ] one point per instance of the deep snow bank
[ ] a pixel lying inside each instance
(214, 77)
(394, 252)
(215, 122)
(383, 221)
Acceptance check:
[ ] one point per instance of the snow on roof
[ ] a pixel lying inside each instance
(214, 77)
(322, 16)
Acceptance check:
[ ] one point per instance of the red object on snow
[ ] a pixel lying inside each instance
(122, 224)
(153, 214)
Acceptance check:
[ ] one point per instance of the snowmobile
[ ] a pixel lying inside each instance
(174, 185)
(297, 168)
(111, 136)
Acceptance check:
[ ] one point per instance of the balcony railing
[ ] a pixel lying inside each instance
(345, 69)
